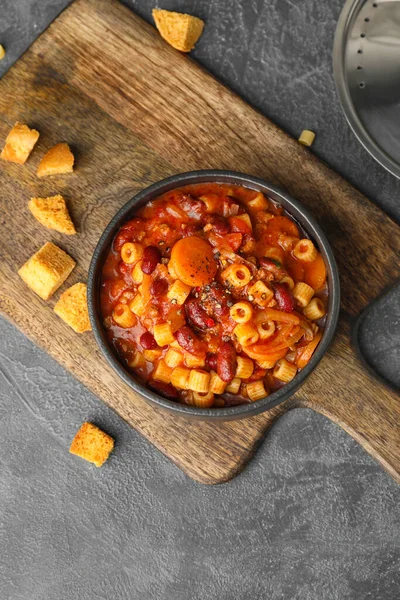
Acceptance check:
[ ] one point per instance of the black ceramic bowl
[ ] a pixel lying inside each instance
(294, 208)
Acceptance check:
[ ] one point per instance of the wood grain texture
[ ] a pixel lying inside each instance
(135, 111)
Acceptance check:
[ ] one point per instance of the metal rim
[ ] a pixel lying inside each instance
(295, 209)
(349, 11)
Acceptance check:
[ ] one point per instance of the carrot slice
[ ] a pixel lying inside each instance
(238, 225)
(234, 240)
(193, 261)
(304, 355)
(315, 273)
(295, 268)
(283, 225)
(145, 291)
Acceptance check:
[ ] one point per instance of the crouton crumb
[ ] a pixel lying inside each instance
(57, 160)
(52, 213)
(180, 30)
(92, 444)
(47, 270)
(72, 308)
(19, 143)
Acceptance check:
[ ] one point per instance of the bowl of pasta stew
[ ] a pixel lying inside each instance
(213, 294)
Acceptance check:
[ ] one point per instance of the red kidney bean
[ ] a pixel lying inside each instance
(197, 316)
(126, 272)
(221, 227)
(151, 258)
(159, 287)
(284, 298)
(188, 340)
(270, 264)
(165, 389)
(147, 341)
(189, 230)
(226, 362)
(211, 361)
(130, 232)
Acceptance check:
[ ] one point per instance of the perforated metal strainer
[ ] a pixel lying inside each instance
(366, 66)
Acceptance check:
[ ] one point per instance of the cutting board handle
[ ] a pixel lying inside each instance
(349, 393)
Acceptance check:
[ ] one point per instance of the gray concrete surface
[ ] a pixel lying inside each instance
(313, 517)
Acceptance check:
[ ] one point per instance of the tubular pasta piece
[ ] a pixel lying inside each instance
(137, 306)
(217, 386)
(256, 390)
(236, 275)
(241, 312)
(178, 292)
(305, 250)
(137, 273)
(234, 386)
(191, 360)
(162, 372)
(246, 334)
(314, 310)
(137, 360)
(163, 334)
(180, 378)
(260, 293)
(265, 329)
(303, 293)
(259, 202)
(173, 358)
(307, 137)
(267, 364)
(199, 381)
(288, 281)
(152, 355)
(245, 367)
(131, 252)
(203, 400)
(284, 370)
(123, 316)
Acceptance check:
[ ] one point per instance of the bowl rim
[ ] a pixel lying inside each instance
(212, 176)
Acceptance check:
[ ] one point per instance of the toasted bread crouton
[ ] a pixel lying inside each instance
(72, 308)
(46, 270)
(19, 143)
(180, 30)
(52, 213)
(58, 159)
(92, 444)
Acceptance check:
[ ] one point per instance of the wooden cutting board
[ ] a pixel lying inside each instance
(135, 111)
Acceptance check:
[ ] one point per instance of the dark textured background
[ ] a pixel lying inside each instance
(313, 517)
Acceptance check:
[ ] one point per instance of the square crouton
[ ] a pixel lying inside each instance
(19, 143)
(92, 444)
(52, 213)
(180, 30)
(46, 270)
(57, 160)
(72, 308)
